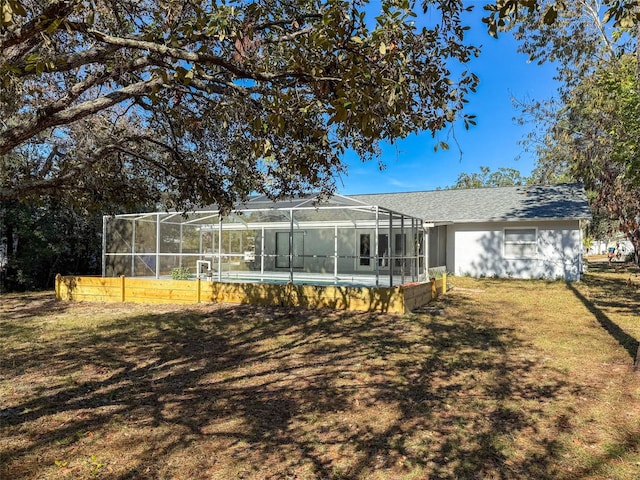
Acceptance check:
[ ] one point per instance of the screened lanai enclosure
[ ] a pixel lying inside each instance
(336, 242)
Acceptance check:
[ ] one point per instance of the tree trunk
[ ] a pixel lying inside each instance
(6, 235)
(638, 44)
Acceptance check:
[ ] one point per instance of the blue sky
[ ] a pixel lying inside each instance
(412, 163)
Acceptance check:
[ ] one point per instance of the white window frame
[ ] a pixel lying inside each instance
(506, 243)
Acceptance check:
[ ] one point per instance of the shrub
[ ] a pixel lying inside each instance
(180, 273)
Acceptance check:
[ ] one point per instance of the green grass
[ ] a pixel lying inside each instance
(498, 379)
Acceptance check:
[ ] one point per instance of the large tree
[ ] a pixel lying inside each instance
(189, 102)
(591, 131)
(603, 120)
(195, 102)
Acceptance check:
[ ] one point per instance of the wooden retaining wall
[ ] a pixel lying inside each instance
(400, 299)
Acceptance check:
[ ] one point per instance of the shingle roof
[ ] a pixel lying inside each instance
(531, 202)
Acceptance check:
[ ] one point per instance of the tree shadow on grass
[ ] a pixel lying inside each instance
(21, 306)
(615, 294)
(275, 393)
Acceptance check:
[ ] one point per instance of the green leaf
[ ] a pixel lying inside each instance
(17, 8)
(188, 76)
(441, 146)
(7, 15)
(550, 16)
(627, 21)
(53, 26)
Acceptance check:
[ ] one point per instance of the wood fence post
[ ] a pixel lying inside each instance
(197, 290)
(122, 294)
(58, 282)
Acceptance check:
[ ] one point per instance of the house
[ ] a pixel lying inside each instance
(519, 231)
(379, 239)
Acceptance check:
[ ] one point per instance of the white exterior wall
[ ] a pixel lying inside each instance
(477, 249)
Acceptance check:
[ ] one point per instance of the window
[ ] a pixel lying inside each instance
(365, 249)
(520, 242)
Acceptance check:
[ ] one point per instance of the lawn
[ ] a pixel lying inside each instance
(498, 379)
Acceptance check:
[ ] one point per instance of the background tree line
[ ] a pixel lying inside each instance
(45, 238)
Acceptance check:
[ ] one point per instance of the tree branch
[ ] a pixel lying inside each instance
(197, 58)
(289, 37)
(91, 81)
(44, 184)
(53, 11)
(96, 55)
(44, 119)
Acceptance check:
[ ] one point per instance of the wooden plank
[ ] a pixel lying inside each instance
(95, 298)
(161, 284)
(115, 288)
(99, 290)
(95, 281)
(152, 294)
(156, 301)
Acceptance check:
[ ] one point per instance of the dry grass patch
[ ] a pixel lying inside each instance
(498, 379)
